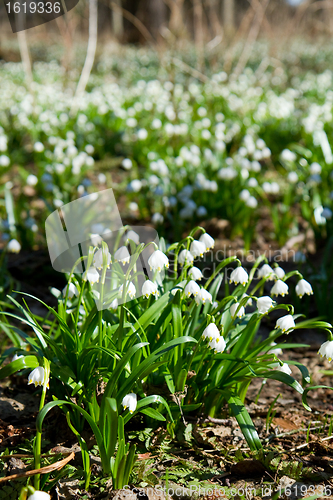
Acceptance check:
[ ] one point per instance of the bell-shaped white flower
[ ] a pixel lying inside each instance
(195, 274)
(217, 344)
(279, 272)
(72, 290)
(277, 351)
(130, 401)
(207, 240)
(264, 304)
(286, 323)
(158, 260)
(266, 272)
(327, 350)
(249, 300)
(131, 290)
(39, 495)
(192, 288)
(114, 304)
(233, 310)
(96, 239)
(16, 357)
(185, 257)
(149, 288)
(303, 287)
(133, 236)
(99, 257)
(285, 368)
(203, 296)
(14, 246)
(239, 275)
(211, 332)
(91, 275)
(197, 248)
(122, 255)
(37, 377)
(280, 288)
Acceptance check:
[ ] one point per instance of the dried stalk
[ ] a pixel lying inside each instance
(91, 51)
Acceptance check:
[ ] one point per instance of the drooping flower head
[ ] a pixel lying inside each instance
(91, 275)
(326, 350)
(192, 288)
(280, 288)
(39, 495)
(122, 255)
(197, 248)
(239, 275)
(266, 272)
(264, 304)
(14, 246)
(279, 272)
(303, 287)
(72, 290)
(211, 332)
(37, 377)
(149, 288)
(203, 296)
(235, 310)
(207, 240)
(217, 344)
(185, 257)
(158, 260)
(130, 401)
(195, 274)
(99, 257)
(286, 323)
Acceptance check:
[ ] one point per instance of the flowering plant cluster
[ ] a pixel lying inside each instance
(221, 148)
(176, 332)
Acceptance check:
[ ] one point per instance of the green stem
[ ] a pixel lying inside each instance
(38, 440)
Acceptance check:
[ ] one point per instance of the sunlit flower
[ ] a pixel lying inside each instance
(195, 274)
(197, 248)
(91, 275)
(131, 290)
(279, 272)
(285, 368)
(217, 344)
(130, 401)
(99, 257)
(39, 495)
(303, 287)
(192, 288)
(266, 272)
(249, 300)
(37, 377)
(32, 180)
(327, 350)
(114, 304)
(234, 312)
(122, 255)
(264, 304)
(239, 275)
(286, 323)
(276, 350)
(185, 256)
(132, 235)
(158, 260)
(127, 163)
(207, 240)
(96, 239)
(211, 332)
(279, 288)
(203, 296)
(13, 246)
(72, 290)
(149, 288)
